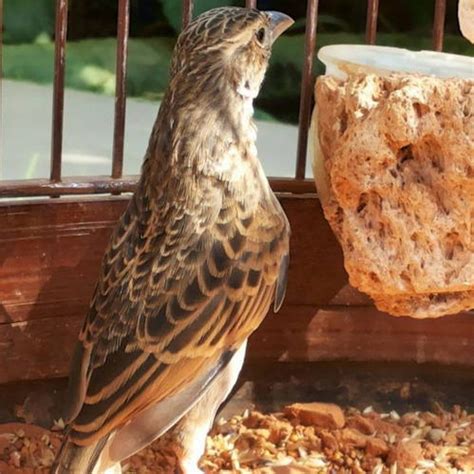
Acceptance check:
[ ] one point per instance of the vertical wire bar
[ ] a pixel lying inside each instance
(58, 88)
(188, 6)
(251, 3)
(438, 25)
(307, 83)
(1, 85)
(120, 87)
(371, 25)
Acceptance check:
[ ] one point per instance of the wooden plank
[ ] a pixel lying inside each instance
(50, 254)
(42, 348)
(316, 274)
(38, 349)
(269, 385)
(306, 333)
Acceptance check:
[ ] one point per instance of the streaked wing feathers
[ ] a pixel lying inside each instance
(174, 294)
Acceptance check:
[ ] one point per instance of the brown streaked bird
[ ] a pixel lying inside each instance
(193, 265)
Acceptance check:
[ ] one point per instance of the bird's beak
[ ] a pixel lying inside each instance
(279, 22)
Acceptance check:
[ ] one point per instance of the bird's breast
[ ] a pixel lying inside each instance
(238, 168)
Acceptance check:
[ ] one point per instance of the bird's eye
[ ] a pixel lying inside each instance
(260, 35)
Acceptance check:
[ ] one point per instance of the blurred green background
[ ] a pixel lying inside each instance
(28, 35)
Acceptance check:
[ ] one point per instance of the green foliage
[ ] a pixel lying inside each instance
(173, 12)
(26, 21)
(421, 11)
(324, 22)
(90, 65)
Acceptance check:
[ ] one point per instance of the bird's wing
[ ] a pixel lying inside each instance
(171, 300)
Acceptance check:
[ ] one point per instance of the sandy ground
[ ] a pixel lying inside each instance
(312, 438)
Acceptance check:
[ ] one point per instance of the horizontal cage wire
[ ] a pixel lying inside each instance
(56, 185)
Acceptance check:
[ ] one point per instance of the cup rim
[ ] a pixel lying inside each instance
(341, 59)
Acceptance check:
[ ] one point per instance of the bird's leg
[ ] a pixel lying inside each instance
(115, 469)
(189, 434)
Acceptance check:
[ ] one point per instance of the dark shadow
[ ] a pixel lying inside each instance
(37, 343)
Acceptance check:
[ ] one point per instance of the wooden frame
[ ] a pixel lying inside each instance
(50, 252)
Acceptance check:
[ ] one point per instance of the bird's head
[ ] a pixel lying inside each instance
(226, 50)
(218, 66)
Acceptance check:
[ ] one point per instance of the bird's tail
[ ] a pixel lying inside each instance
(75, 459)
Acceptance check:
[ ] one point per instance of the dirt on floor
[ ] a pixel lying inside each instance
(369, 418)
(302, 438)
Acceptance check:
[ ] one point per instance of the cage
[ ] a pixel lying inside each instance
(328, 344)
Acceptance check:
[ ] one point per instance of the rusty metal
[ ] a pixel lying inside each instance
(371, 25)
(120, 87)
(251, 3)
(1, 72)
(307, 86)
(84, 185)
(188, 6)
(67, 186)
(438, 25)
(58, 88)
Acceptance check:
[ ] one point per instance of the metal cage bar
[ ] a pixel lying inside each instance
(438, 25)
(188, 7)
(58, 88)
(120, 87)
(1, 76)
(307, 83)
(371, 25)
(84, 185)
(116, 183)
(67, 186)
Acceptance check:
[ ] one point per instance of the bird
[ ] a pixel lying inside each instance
(193, 265)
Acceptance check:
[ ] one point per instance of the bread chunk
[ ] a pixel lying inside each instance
(394, 167)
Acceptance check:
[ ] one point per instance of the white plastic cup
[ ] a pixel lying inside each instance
(341, 59)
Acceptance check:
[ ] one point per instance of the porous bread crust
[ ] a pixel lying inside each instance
(398, 165)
